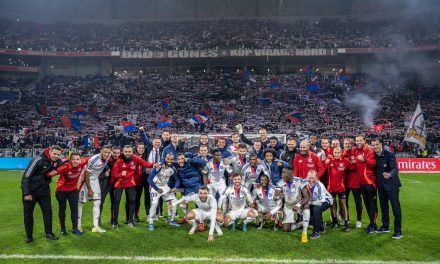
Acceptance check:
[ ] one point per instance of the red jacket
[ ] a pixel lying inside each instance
(130, 168)
(303, 164)
(366, 169)
(328, 151)
(69, 175)
(352, 179)
(138, 175)
(111, 162)
(337, 169)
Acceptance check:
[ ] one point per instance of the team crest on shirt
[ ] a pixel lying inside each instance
(300, 161)
(310, 159)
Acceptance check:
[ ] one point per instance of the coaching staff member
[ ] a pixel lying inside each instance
(35, 189)
(388, 185)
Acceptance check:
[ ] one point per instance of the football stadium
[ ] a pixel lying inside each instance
(208, 131)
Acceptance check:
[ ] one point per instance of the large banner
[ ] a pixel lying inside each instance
(18, 68)
(59, 53)
(406, 165)
(197, 54)
(387, 50)
(418, 165)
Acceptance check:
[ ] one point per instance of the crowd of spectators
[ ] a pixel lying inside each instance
(235, 97)
(217, 34)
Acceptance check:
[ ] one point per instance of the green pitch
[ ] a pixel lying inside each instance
(420, 199)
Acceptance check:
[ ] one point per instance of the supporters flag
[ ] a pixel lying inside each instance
(93, 109)
(416, 132)
(295, 117)
(66, 121)
(229, 111)
(313, 87)
(79, 111)
(128, 125)
(41, 109)
(165, 103)
(199, 118)
(76, 124)
(164, 122)
(274, 83)
(206, 111)
(86, 141)
(265, 101)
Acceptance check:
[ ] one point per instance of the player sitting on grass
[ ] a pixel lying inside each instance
(235, 201)
(296, 201)
(206, 210)
(265, 200)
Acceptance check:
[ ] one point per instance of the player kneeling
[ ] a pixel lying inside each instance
(235, 201)
(206, 210)
(266, 201)
(158, 181)
(296, 201)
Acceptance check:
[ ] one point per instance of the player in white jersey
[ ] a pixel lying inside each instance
(206, 210)
(320, 200)
(237, 203)
(215, 178)
(296, 200)
(267, 203)
(251, 172)
(233, 148)
(90, 189)
(240, 159)
(158, 181)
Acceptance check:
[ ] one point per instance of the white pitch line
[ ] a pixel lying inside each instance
(413, 181)
(204, 259)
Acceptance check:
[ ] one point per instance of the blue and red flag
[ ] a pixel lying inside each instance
(76, 124)
(274, 83)
(165, 103)
(79, 110)
(229, 111)
(128, 125)
(199, 118)
(206, 111)
(295, 117)
(164, 122)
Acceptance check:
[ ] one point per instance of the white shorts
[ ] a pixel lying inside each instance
(94, 184)
(238, 214)
(217, 187)
(289, 216)
(167, 194)
(264, 209)
(201, 215)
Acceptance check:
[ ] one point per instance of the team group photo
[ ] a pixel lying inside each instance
(249, 131)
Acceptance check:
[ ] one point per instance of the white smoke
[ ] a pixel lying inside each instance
(365, 105)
